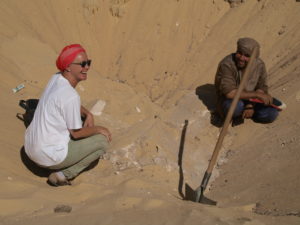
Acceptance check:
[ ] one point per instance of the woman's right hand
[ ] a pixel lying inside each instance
(104, 131)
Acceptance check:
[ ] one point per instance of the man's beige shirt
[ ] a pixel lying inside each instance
(228, 77)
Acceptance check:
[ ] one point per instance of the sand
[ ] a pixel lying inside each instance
(153, 69)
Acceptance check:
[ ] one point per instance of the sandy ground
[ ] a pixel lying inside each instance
(153, 68)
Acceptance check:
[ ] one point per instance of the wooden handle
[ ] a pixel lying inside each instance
(230, 113)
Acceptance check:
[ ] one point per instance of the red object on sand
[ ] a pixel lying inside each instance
(275, 104)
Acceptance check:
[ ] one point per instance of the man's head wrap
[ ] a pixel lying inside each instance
(67, 56)
(247, 45)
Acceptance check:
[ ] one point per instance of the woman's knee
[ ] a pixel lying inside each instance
(101, 142)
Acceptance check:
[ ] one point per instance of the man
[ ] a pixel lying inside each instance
(56, 139)
(228, 77)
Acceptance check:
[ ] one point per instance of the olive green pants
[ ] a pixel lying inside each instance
(81, 153)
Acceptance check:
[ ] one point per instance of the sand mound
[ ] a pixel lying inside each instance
(153, 68)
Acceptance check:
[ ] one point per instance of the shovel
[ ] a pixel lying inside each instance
(199, 197)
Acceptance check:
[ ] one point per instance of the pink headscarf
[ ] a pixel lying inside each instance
(67, 56)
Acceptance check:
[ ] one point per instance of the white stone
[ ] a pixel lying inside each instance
(138, 109)
(98, 108)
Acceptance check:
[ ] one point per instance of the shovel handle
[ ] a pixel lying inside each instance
(230, 113)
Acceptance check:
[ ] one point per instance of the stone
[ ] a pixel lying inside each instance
(62, 209)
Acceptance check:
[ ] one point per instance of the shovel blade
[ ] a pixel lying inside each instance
(202, 199)
(197, 196)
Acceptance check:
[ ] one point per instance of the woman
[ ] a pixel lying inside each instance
(56, 138)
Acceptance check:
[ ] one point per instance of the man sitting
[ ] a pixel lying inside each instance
(228, 77)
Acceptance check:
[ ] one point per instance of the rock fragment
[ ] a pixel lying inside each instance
(62, 209)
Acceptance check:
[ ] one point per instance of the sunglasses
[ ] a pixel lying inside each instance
(84, 63)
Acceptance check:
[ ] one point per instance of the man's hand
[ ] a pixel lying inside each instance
(248, 111)
(104, 131)
(266, 98)
(89, 120)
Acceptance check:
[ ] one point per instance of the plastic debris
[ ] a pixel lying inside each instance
(18, 88)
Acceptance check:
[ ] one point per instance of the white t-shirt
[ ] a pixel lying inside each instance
(47, 137)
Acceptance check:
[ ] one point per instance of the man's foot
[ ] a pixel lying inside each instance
(58, 179)
(216, 119)
(237, 121)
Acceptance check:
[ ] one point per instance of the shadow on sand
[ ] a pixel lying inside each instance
(32, 166)
(189, 192)
(44, 172)
(207, 94)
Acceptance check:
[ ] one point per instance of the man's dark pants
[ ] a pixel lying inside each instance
(262, 113)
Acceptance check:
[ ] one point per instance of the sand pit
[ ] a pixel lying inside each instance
(153, 68)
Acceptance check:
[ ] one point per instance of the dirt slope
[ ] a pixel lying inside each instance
(153, 68)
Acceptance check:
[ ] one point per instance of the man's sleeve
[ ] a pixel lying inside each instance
(227, 79)
(262, 80)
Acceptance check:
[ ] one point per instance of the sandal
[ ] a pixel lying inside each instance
(58, 179)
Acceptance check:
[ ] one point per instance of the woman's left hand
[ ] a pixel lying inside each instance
(89, 120)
